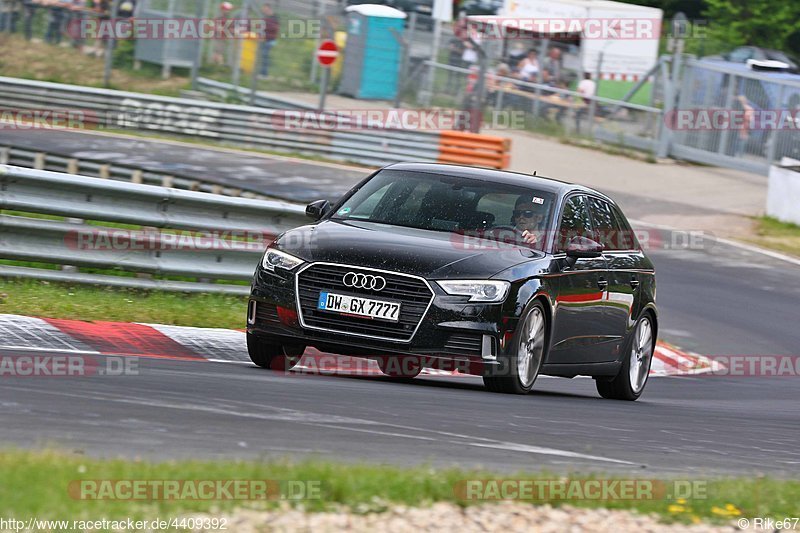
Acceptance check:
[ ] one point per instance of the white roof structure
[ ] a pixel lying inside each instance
(376, 10)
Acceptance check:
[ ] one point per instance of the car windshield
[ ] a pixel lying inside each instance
(453, 204)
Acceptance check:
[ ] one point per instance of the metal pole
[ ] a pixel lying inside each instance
(429, 78)
(480, 87)
(110, 47)
(314, 65)
(254, 78)
(237, 69)
(323, 90)
(198, 58)
(593, 102)
(539, 77)
(405, 46)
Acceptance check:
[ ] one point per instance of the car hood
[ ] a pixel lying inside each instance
(431, 254)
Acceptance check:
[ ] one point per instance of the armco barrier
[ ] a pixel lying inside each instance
(57, 242)
(474, 149)
(95, 168)
(236, 124)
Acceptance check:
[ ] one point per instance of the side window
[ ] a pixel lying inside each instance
(627, 240)
(607, 230)
(575, 222)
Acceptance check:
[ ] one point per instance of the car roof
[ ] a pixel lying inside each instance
(543, 183)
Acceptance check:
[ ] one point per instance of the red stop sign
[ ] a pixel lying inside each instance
(327, 53)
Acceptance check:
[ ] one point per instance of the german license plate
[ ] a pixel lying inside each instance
(357, 306)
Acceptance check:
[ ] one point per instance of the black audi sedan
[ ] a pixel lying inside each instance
(493, 273)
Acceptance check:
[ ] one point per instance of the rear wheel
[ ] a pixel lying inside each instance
(629, 383)
(519, 370)
(272, 355)
(400, 367)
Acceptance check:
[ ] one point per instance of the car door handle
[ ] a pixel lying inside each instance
(602, 284)
(634, 283)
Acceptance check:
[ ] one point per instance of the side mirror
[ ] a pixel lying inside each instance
(583, 248)
(318, 209)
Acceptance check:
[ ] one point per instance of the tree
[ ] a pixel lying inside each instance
(766, 23)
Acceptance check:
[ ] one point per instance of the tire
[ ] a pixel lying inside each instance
(517, 375)
(272, 355)
(632, 378)
(400, 367)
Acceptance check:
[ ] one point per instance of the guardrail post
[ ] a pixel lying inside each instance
(137, 176)
(166, 181)
(38, 161)
(5, 155)
(105, 171)
(72, 166)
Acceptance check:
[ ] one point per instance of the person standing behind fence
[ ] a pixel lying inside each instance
(29, 12)
(5, 15)
(271, 29)
(54, 22)
(219, 48)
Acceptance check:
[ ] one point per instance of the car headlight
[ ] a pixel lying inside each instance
(276, 258)
(477, 290)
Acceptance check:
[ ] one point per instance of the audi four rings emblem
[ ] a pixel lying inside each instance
(364, 281)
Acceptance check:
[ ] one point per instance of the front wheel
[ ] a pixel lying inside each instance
(272, 355)
(520, 369)
(629, 383)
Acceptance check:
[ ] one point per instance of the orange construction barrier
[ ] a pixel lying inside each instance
(474, 149)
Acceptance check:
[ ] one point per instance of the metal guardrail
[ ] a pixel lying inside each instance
(97, 168)
(237, 124)
(225, 235)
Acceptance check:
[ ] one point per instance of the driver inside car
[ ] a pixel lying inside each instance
(527, 218)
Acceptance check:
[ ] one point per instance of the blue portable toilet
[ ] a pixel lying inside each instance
(373, 52)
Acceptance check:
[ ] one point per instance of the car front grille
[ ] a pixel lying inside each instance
(412, 292)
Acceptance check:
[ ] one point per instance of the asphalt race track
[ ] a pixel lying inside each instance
(278, 177)
(695, 425)
(720, 300)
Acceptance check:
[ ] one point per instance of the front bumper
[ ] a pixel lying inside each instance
(452, 330)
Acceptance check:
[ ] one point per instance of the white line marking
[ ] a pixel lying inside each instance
(734, 244)
(59, 350)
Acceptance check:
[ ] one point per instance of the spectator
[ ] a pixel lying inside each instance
(220, 46)
(5, 15)
(516, 54)
(455, 49)
(29, 12)
(743, 105)
(126, 9)
(587, 87)
(529, 67)
(271, 30)
(494, 85)
(552, 66)
(54, 22)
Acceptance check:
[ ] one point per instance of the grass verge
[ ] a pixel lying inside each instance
(86, 302)
(777, 235)
(38, 484)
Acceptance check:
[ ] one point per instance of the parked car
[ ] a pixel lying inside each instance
(428, 265)
(761, 58)
(480, 7)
